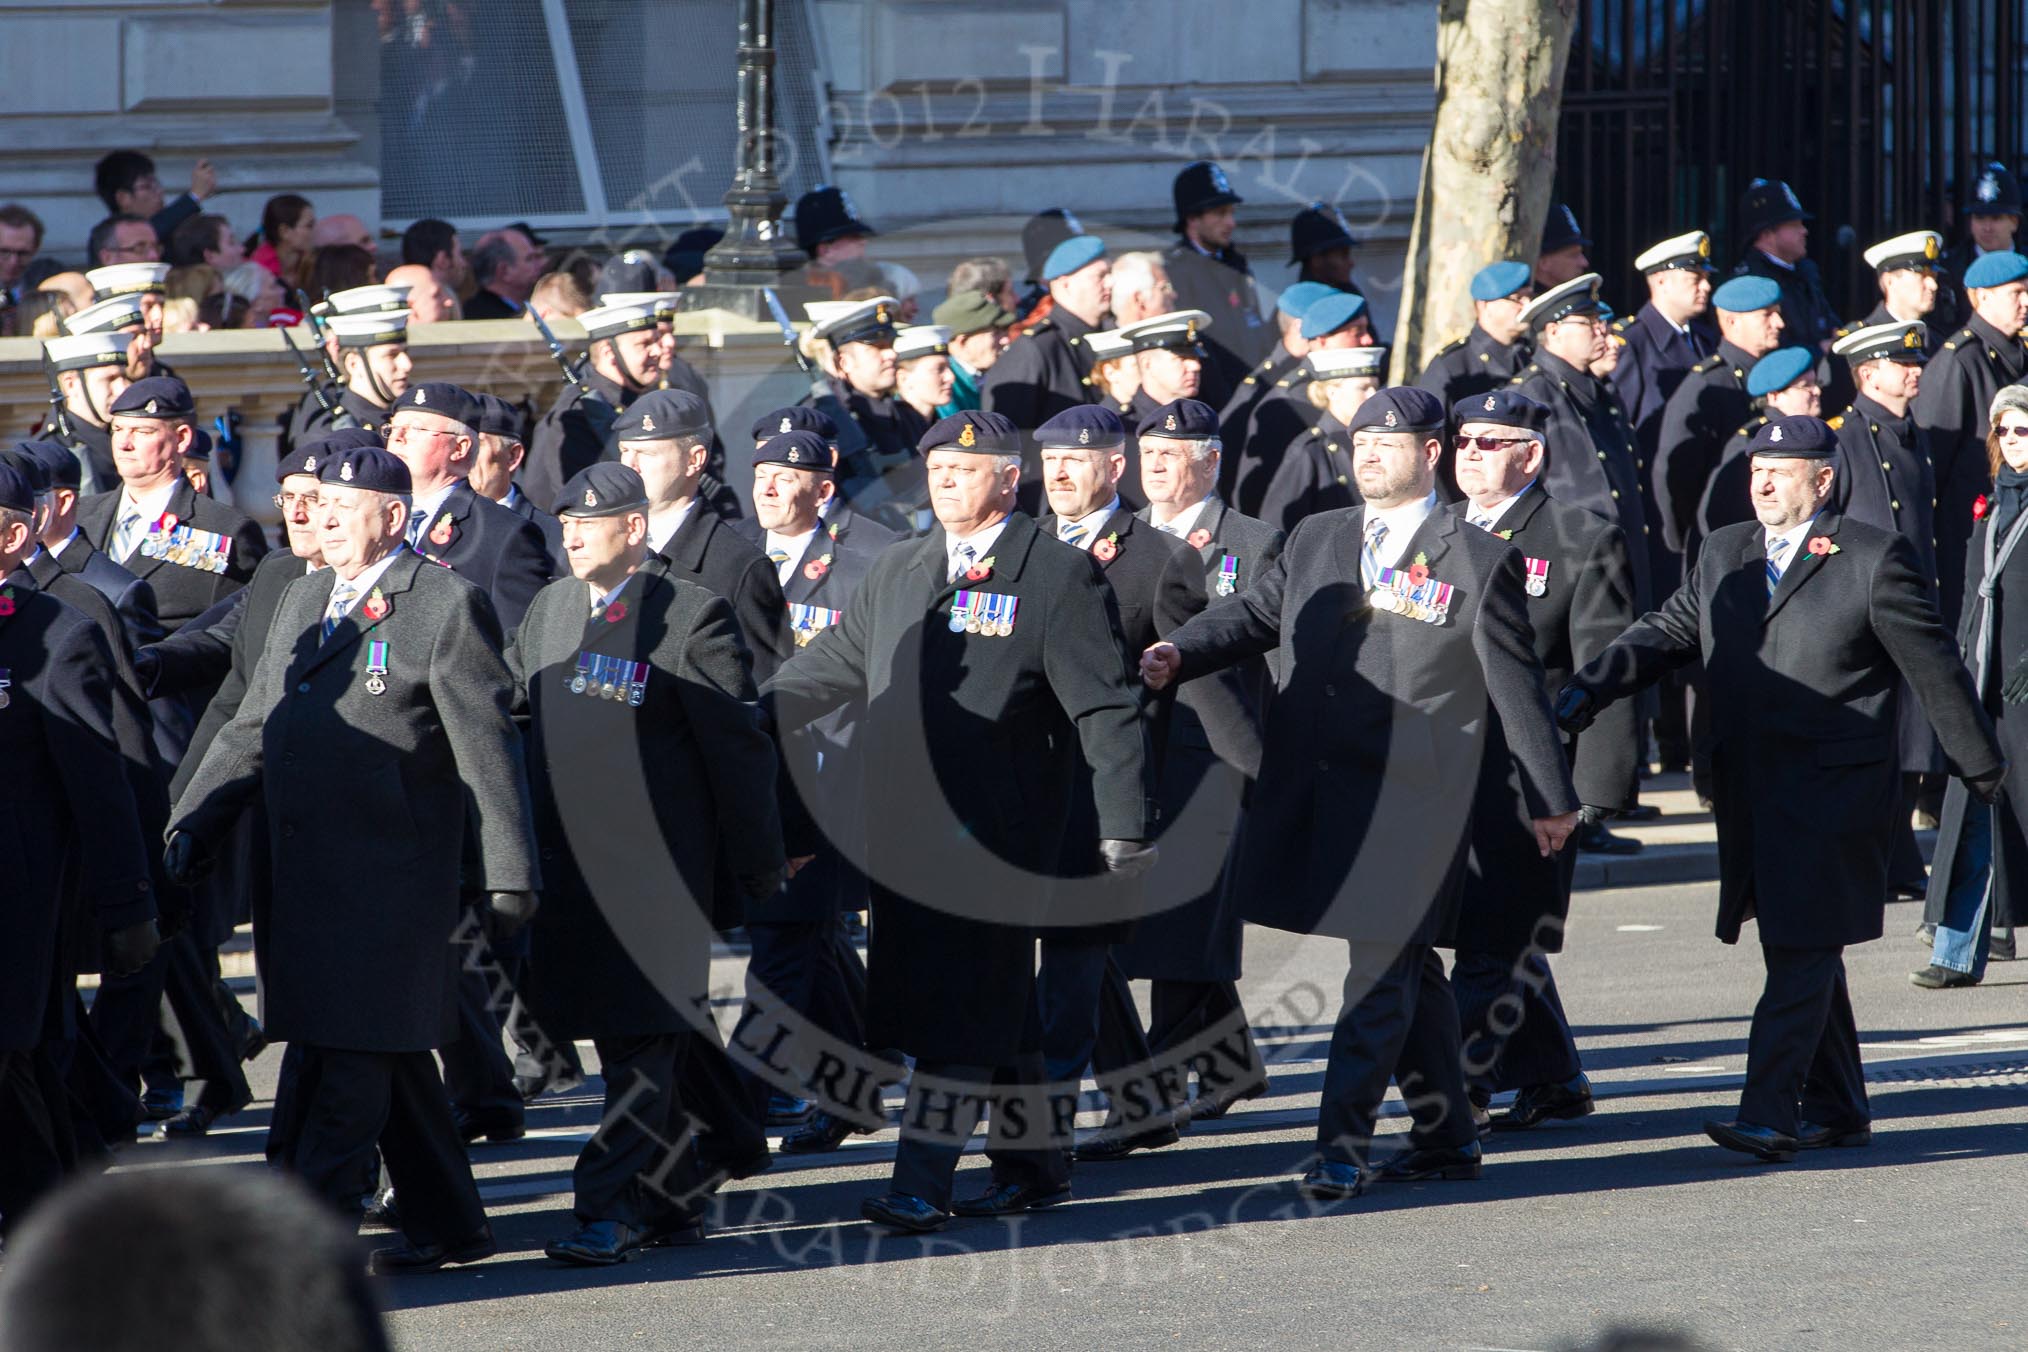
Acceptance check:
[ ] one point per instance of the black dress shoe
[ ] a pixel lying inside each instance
(190, 1124)
(1006, 1199)
(380, 1212)
(1641, 812)
(1595, 839)
(677, 1234)
(158, 1104)
(1332, 1181)
(598, 1244)
(408, 1257)
(821, 1134)
(1817, 1136)
(1111, 1147)
(1935, 978)
(1417, 1166)
(1539, 1103)
(498, 1130)
(254, 1043)
(900, 1211)
(1908, 889)
(533, 1087)
(1762, 1142)
(787, 1111)
(1210, 1107)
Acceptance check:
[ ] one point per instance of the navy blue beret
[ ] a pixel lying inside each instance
(311, 453)
(368, 467)
(604, 488)
(16, 493)
(1505, 408)
(795, 418)
(200, 445)
(29, 464)
(1084, 425)
(661, 415)
(498, 418)
(155, 397)
(797, 449)
(59, 463)
(1779, 369)
(1400, 408)
(1800, 437)
(1184, 419)
(973, 430)
(442, 398)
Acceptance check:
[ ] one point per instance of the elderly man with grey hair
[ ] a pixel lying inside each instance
(506, 263)
(1141, 288)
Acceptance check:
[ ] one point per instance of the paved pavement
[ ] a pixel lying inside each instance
(1628, 1217)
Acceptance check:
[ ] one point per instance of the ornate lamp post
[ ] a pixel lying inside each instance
(753, 254)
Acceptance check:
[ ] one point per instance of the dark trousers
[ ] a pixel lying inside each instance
(1399, 1022)
(1802, 1054)
(798, 966)
(352, 1100)
(477, 1072)
(1904, 856)
(104, 1109)
(640, 1166)
(936, 1123)
(1185, 1012)
(35, 1148)
(538, 1057)
(1512, 1022)
(1088, 1014)
(710, 1086)
(127, 1015)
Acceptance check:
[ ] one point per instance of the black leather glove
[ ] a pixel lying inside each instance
(131, 947)
(1594, 816)
(186, 861)
(761, 886)
(147, 667)
(1127, 858)
(1986, 788)
(507, 913)
(1575, 708)
(2016, 688)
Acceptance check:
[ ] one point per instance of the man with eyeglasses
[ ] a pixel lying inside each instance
(1580, 598)
(1591, 448)
(122, 239)
(1954, 404)
(1397, 630)
(20, 241)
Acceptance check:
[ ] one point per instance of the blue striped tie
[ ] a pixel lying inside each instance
(1775, 550)
(1072, 534)
(1369, 557)
(341, 601)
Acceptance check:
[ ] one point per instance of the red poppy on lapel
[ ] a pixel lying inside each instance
(1418, 573)
(6, 604)
(1108, 549)
(1199, 538)
(1979, 507)
(979, 572)
(816, 568)
(376, 606)
(1821, 544)
(616, 612)
(440, 534)
(168, 521)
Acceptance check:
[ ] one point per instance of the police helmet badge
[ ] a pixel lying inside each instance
(1219, 182)
(1989, 187)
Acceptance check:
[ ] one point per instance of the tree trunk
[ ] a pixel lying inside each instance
(1491, 162)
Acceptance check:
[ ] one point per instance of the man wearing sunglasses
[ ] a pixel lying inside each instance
(1580, 598)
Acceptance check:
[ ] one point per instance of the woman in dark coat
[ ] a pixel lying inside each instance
(1982, 852)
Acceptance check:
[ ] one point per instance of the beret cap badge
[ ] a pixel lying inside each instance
(968, 437)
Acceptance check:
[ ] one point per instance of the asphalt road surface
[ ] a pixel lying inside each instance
(1629, 1217)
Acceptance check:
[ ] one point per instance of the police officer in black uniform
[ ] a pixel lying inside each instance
(1774, 226)
(624, 357)
(1211, 274)
(1591, 449)
(1497, 348)
(1320, 247)
(1561, 256)
(1992, 218)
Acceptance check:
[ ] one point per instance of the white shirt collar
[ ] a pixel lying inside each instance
(56, 550)
(1402, 523)
(1795, 538)
(1184, 521)
(982, 545)
(1783, 264)
(514, 495)
(363, 584)
(598, 597)
(151, 507)
(424, 509)
(1491, 515)
(662, 531)
(1091, 523)
(791, 545)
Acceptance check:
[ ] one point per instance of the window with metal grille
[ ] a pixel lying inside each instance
(580, 114)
